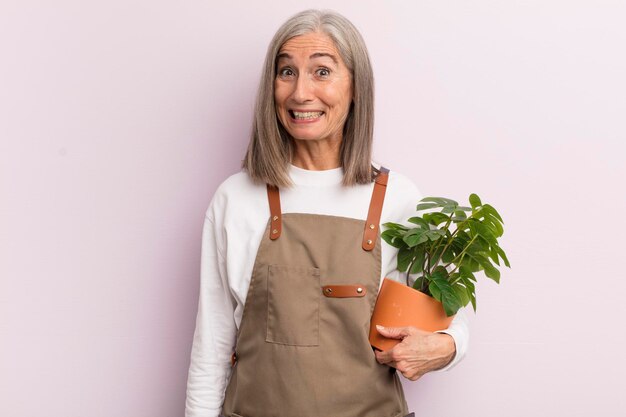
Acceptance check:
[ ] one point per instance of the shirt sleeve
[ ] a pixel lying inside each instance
(459, 330)
(215, 332)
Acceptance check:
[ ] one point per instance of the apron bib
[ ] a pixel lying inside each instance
(302, 347)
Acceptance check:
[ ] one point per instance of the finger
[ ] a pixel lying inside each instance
(396, 332)
(390, 363)
(383, 357)
(411, 376)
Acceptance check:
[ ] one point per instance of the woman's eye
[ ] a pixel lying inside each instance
(285, 72)
(323, 72)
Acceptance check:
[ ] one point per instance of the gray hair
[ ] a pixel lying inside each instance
(271, 148)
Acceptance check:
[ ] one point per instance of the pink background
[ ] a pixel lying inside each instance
(118, 119)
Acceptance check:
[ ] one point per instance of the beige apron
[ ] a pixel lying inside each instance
(302, 347)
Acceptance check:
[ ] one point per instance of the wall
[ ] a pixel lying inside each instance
(118, 120)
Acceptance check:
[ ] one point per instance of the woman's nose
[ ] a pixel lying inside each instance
(303, 90)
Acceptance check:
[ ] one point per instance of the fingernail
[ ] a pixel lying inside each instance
(379, 327)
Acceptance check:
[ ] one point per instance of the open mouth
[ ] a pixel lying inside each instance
(308, 115)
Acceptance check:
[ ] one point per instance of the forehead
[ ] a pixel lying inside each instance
(310, 43)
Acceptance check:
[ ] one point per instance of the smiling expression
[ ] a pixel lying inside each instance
(313, 88)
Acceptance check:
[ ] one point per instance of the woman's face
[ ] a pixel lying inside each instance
(313, 88)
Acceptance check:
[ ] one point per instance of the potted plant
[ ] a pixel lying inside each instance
(447, 246)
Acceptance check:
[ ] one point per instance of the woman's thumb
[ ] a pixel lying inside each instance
(391, 332)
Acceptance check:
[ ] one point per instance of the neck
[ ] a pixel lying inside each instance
(318, 155)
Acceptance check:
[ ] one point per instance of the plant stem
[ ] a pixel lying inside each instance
(438, 242)
(457, 265)
(451, 238)
(408, 271)
(462, 252)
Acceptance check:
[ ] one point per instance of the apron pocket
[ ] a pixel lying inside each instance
(293, 302)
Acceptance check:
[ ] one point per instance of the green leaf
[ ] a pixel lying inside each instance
(474, 200)
(440, 200)
(395, 226)
(434, 234)
(418, 261)
(436, 252)
(447, 297)
(502, 255)
(459, 216)
(492, 272)
(393, 237)
(420, 222)
(415, 237)
(441, 289)
(479, 257)
(472, 297)
(426, 206)
(475, 261)
(404, 258)
(491, 210)
(461, 238)
(436, 218)
(493, 254)
(488, 219)
(461, 293)
(496, 226)
(467, 273)
(470, 288)
(482, 230)
(435, 292)
(418, 283)
(448, 255)
(471, 263)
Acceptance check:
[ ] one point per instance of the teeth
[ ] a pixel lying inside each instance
(307, 115)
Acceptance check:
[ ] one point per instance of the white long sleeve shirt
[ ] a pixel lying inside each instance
(234, 225)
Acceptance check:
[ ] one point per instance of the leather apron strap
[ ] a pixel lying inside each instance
(273, 196)
(375, 210)
(373, 216)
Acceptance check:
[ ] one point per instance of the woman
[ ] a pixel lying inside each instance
(292, 258)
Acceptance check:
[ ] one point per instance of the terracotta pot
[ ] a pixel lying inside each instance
(399, 305)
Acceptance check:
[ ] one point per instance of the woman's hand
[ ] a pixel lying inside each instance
(419, 351)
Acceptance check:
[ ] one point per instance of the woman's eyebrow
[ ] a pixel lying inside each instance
(321, 54)
(315, 55)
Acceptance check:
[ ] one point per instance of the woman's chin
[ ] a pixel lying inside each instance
(298, 135)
